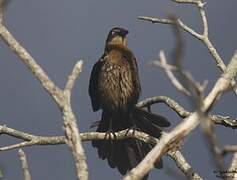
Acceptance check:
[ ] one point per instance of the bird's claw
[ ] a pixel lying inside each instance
(109, 134)
(133, 128)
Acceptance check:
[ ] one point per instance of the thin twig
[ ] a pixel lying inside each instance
(25, 167)
(171, 76)
(202, 37)
(73, 76)
(168, 21)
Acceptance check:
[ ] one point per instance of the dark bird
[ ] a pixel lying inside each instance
(115, 88)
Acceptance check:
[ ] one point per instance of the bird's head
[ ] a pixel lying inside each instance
(117, 35)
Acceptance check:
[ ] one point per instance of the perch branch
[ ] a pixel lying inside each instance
(31, 140)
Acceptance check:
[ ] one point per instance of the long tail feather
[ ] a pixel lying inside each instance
(159, 120)
(126, 154)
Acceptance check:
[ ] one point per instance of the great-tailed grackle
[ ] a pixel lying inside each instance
(115, 88)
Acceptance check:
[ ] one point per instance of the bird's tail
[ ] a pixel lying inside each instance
(126, 154)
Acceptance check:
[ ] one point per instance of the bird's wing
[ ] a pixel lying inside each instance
(135, 77)
(93, 86)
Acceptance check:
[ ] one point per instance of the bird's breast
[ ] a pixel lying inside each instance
(115, 86)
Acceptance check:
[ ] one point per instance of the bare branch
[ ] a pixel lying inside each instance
(31, 140)
(203, 37)
(61, 98)
(171, 76)
(185, 127)
(229, 148)
(183, 113)
(73, 76)
(74, 142)
(214, 145)
(168, 21)
(187, 1)
(232, 171)
(50, 87)
(24, 164)
(224, 120)
(183, 165)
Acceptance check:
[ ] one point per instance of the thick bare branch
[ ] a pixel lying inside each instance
(74, 142)
(232, 171)
(25, 167)
(39, 73)
(62, 99)
(31, 140)
(186, 126)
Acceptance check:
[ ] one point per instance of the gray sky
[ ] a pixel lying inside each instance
(57, 33)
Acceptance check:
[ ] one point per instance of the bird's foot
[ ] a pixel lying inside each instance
(110, 135)
(133, 129)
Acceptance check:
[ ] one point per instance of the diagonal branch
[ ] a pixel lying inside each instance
(183, 165)
(24, 163)
(171, 76)
(62, 99)
(73, 76)
(29, 61)
(185, 127)
(232, 171)
(202, 37)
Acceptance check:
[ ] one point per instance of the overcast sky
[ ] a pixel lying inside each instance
(58, 33)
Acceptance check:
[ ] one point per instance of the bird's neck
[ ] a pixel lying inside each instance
(118, 40)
